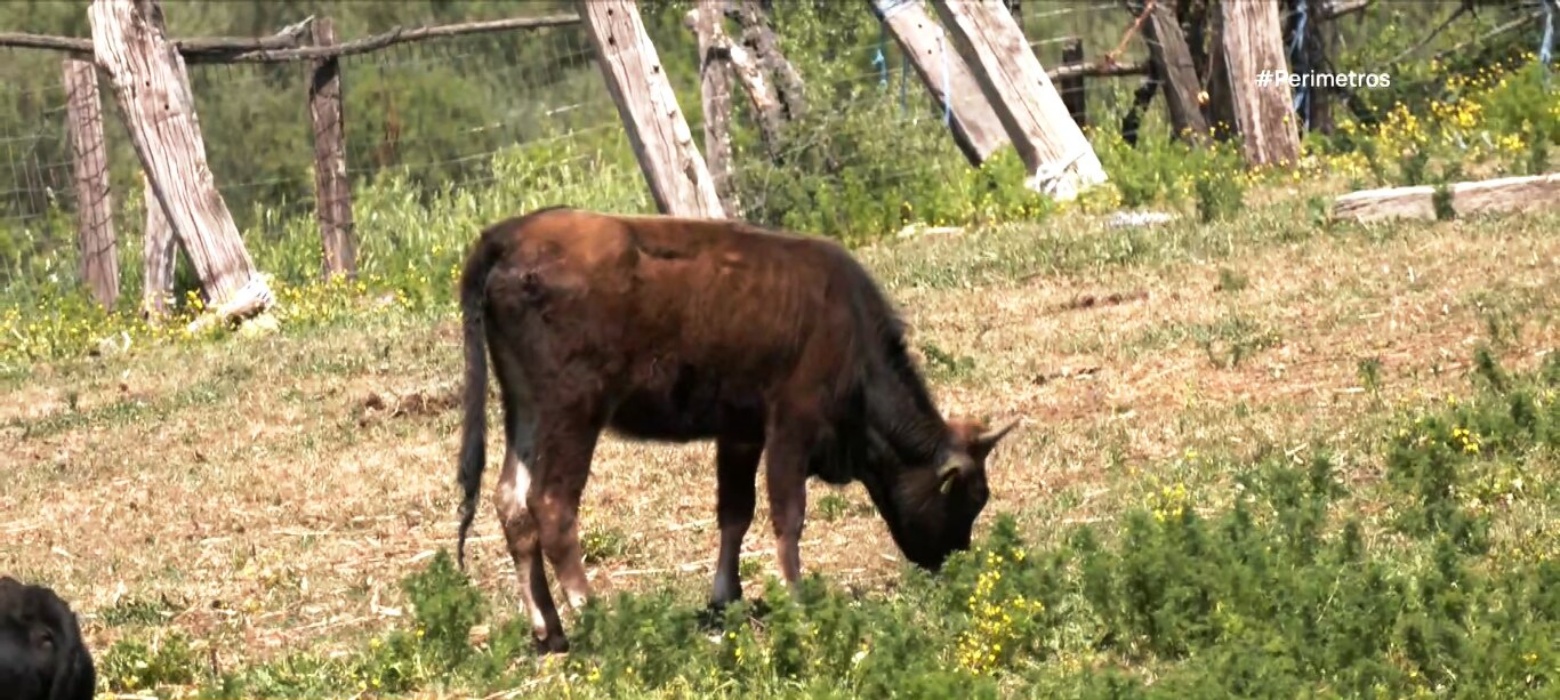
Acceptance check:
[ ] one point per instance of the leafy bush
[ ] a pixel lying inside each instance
(1286, 589)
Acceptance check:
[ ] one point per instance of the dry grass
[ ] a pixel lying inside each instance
(268, 495)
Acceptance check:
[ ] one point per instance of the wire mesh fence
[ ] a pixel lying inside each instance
(459, 114)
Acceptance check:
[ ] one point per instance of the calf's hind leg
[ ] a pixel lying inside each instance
(566, 442)
(520, 530)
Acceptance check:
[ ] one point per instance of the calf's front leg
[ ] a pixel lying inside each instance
(786, 479)
(736, 468)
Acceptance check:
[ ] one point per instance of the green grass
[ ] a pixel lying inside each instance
(1262, 453)
(1242, 476)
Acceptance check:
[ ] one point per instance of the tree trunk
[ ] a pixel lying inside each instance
(98, 251)
(152, 89)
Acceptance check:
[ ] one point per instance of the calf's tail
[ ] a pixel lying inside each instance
(473, 446)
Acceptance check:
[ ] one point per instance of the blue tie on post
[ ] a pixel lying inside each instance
(1297, 58)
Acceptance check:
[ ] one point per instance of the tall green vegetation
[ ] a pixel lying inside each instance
(1439, 578)
(446, 137)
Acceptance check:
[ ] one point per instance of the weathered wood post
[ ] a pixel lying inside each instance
(332, 189)
(1219, 108)
(946, 75)
(158, 251)
(679, 181)
(761, 40)
(760, 91)
(1071, 88)
(96, 246)
(1253, 42)
(715, 96)
(1175, 69)
(1019, 90)
(151, 85)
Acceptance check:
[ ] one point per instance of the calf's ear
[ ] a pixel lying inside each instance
(987, 440)
(952, 469)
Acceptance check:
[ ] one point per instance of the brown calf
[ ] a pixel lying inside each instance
(677, 330)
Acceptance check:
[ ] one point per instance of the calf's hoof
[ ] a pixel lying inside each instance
(713, 616)
(552, 644)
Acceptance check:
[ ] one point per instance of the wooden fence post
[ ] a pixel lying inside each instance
(760, 91)
(1174, 67)
(1142, 97)
(1071, 88)
(152, 88)
(679, 180)
(757, 35)
(96, 245)
(1019, 90)
(1320, 33)
(1219, 108)
(332, 189)
(158, 251)
(715, 97)
(945, 73)
(1252, 38)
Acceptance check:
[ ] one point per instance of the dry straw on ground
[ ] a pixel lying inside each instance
(271, 499)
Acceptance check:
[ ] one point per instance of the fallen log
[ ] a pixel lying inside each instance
(1500, 195)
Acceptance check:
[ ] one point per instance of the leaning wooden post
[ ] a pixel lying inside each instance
(715, 96)
(152, 89)
(1253, 43)
(945, 73)
(1177, 73)
(1049, 142)
(1071, 88)
(159, 248)
(679, 181)
(332, 189)
(97, 248)
(760, 91)
(759, 38)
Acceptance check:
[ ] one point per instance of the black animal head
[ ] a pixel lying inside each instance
(42, 656)
(938, 507)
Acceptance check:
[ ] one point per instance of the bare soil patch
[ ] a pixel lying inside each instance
(271, 507)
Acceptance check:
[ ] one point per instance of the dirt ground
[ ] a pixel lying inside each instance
(267, 495)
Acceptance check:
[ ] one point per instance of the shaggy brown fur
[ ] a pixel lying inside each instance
(42, 656)
(671, 329)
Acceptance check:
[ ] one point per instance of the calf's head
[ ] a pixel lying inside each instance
(41, 652)
(938, 507)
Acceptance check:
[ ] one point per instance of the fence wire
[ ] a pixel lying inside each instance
(437, 114)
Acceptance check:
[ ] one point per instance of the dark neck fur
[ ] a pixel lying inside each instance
(899, 408)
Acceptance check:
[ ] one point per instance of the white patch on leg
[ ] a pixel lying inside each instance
(520, 485)
(538, 620)
(576, 599)
(516, 491)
